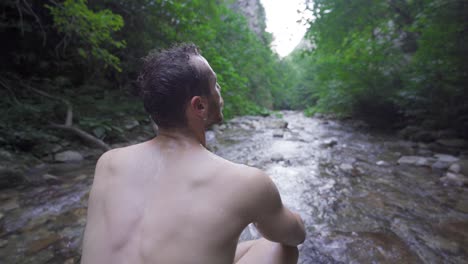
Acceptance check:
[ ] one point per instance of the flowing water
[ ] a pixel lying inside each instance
(355, 210)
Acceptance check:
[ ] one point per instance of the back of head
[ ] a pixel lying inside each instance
(168, 81)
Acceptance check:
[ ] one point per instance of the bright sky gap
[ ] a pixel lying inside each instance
(281, 21)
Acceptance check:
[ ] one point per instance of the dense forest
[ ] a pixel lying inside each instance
(71, 65)
(77, 61)
(391, 62)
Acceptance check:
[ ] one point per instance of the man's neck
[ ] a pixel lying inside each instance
(187, 135)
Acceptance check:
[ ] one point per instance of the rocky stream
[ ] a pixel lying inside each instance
(366, 197)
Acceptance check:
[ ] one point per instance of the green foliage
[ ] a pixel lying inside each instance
(91, 51)
(90, 31)
(385, 59)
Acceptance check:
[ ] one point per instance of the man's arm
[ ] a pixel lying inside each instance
(272, 219)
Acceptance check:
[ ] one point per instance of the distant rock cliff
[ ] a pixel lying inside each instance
(254, 12)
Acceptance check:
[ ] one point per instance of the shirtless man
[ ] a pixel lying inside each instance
(171, 201)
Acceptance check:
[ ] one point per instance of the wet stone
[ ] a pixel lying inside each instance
(68, 156)
(382, 163)
(50, 178)
(455, 168)
(81, 177)
(328, 143)
(69, 261)
(277, 157)
(454, 179)
(3, 243)
(440, 165)
(278, 134)
(414, 160)
(41, 244)
(446, 158)
(9, 205)
(131, 124)
(346, 167)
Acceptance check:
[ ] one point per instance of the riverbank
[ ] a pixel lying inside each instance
(362, 199)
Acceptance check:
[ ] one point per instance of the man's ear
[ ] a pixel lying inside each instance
(198, 105)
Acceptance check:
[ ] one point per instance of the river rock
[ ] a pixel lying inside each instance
(453, 143)
(68, 156)
(414, 160)
(455, 168)
(50, 178)
(277, 157)
(382, 163)
(278, 134)
(446, 158)
(281, 124)
(454, 179)
(5, 155)
(131, 124)
(69, 261)
(328, 143)
(440, 165)
(463, 166)
(346, 167)
(10, 204)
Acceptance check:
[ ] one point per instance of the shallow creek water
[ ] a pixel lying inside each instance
(355, 210)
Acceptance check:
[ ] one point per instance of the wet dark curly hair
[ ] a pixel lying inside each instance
(168, 81)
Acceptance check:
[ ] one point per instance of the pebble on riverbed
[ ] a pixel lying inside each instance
(277, 157)
(454, 179)
(328, 143)
(415, 160)
(382, 163)
(278, 134)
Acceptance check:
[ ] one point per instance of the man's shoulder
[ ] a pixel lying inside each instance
(247, 176)
(236, 169)
(116, 158)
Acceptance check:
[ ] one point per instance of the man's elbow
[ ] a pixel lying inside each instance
(300, 230)
(298, 238)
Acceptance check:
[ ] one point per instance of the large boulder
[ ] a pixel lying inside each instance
(68, 156)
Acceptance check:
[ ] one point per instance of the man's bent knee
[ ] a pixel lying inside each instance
(265, 251)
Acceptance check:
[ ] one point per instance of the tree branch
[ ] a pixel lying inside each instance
(68, 126)
(83, 135)
(69, 118)
(8, 88)
(21, 16)
(44, 36)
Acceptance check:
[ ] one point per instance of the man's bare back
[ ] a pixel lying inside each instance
(169, 200)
